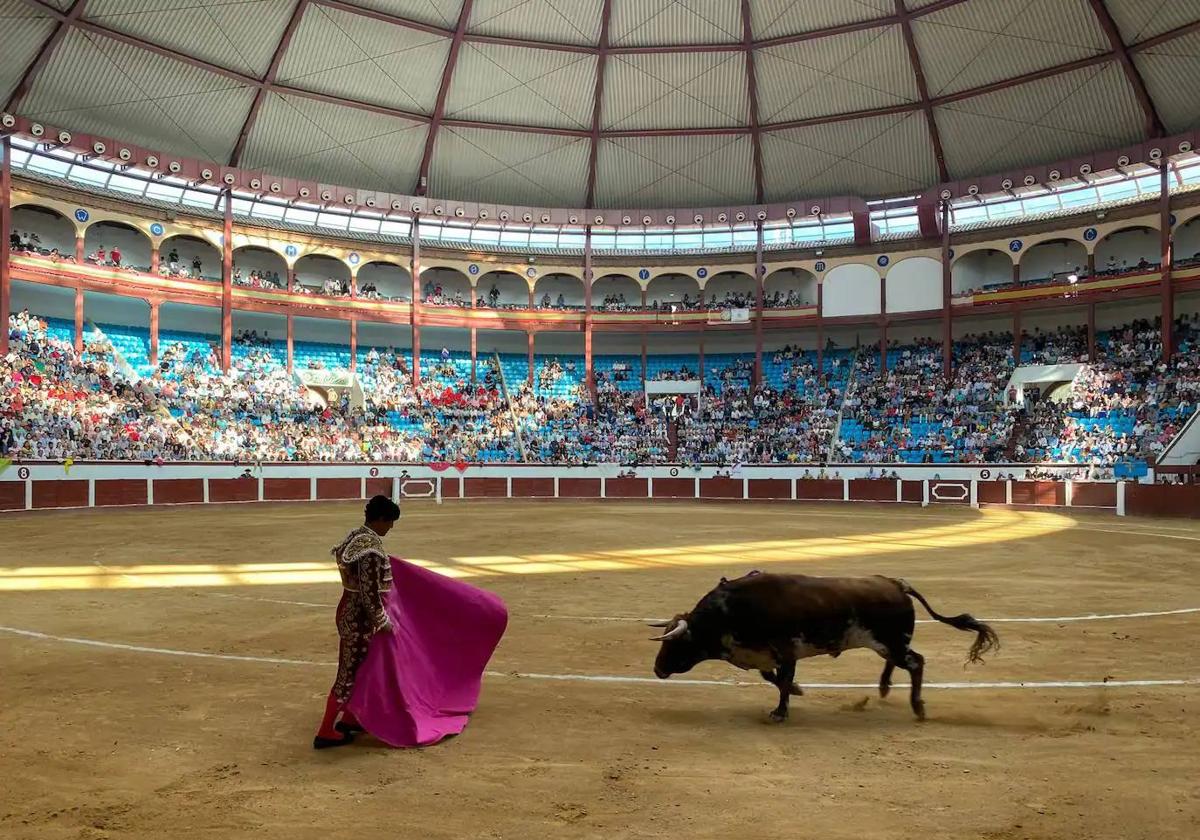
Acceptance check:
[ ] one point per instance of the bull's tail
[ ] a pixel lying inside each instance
(986, 639)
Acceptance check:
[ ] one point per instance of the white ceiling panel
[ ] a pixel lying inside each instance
(509, 167)
(644, 22)
(138, 96)
(1139, 20)
(356, 57)
(675, 90)
(239, 36)
(443, 13)
(868, 157)
(1040, 121)
(674, 171)
(564, 21)
(852, 72)
(984, 41)
(778, 18)
(334, 144)
(1172, 75)
(23, 30)
(500, 83)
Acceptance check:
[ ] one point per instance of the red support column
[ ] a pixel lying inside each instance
(643, 352)
(1092, 333)
(5, 253)
(154, 260)
(1167, 285)
(1017, 338)
(415, 268)
(820, 326)
(79, 319)
(759, 278)
(947, 313)
(1016, 278)
(353, 344)
(80, 249)
(702, 357)
(227, 285)
(532, 303)
(291, 278)
(154, 304)
(474, 350)
(588, 367)
(291, 341)
(529, 379)
(1091, 264)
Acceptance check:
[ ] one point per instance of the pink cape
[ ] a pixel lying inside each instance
(420, 683)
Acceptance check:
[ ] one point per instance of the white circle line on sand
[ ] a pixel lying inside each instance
(605, 678)
(1050, 619)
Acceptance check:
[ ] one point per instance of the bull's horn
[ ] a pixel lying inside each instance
(666, 623)
(674, 633)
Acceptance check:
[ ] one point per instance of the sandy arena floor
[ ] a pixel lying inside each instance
(112, 742)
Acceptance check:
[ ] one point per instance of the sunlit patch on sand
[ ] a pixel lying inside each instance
(990, 526)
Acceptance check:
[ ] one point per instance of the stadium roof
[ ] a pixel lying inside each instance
(610, 103)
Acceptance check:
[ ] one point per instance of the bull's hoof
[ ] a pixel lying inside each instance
(919, 710)
(796, 691)
(885, 689)
(777, 716)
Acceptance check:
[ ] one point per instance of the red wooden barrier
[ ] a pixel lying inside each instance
(536, 488)
(625, 488)
(485, 487)
(1089, 494)
(992, 492)
(451, 487)
(232, 490)
(381, 487)
(12, 495)
(120, 491)
(674, 488)
(339, 488)
(770, 488)
(717, 488)
(1163, 500)
(912, 491)
(1039, 493)
(872, 490)
(286, 489)
(179, 491)
(579, 488)
(819, 488)
(949, 492)
(60, 494)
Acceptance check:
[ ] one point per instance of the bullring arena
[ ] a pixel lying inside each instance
(163, 666)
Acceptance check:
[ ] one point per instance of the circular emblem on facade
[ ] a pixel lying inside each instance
(1016, 245)
(950, 253)
(156, 229)
(82, 215)
(374, 472)
(354, 258)
(883, 261)
(674, 472)
(1090, 234)
(531, 272)
(701, 272)
(1171, 219)
(643, 274)
(291, 250)
(23, 473)
(472, 269)
(820, 266)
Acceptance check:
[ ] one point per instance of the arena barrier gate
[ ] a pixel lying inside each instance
(42, 486)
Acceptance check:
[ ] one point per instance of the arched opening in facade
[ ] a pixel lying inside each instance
(117, 244)
(979, 271)
(320, 274)
(1186, 245)
(445, 287)
(384, 281)
(673, 292)
(789, 287)
(502, 290)
(851, 289)
(41, 230)
(730, 290)
(1132, 249)
(914, 285)
(1054, 258)
(259, 268)
(615, 293)
(190, 256)
(558, 291)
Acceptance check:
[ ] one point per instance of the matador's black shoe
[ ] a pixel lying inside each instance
(320, 743)
(348, 728)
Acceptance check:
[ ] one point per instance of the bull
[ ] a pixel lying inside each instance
(768, 622)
